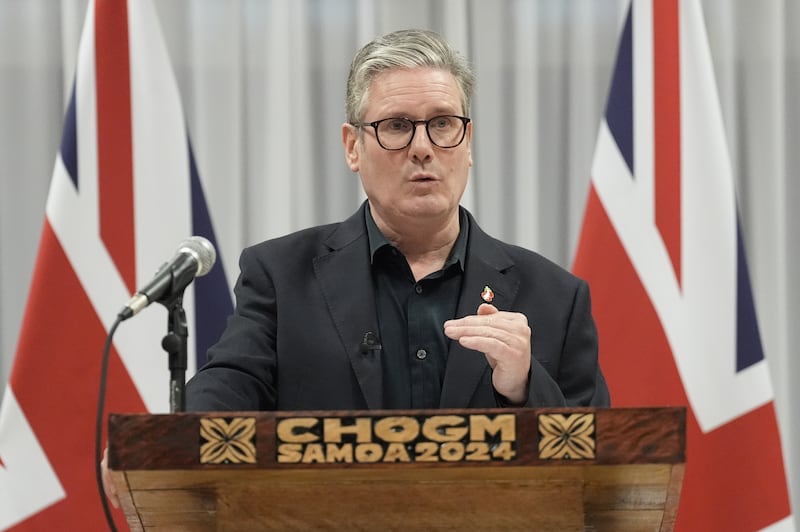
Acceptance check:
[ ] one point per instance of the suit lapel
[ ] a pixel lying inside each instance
(351, 301)
(487, 265)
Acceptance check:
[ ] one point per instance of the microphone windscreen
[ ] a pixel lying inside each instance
(202, 250)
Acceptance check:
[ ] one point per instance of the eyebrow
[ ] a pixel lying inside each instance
(439, 111)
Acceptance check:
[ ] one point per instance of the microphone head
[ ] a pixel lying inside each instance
(203, 252)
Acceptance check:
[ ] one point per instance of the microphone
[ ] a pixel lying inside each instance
(370, 343)
(194, 258)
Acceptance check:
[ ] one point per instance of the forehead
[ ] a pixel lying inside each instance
(414, 91)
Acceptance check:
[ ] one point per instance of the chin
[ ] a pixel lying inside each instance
(428, 207)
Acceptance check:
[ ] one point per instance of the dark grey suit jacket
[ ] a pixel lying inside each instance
(305, 301)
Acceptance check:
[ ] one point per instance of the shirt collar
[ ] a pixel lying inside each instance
(457, 255)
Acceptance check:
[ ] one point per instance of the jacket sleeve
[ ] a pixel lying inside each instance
(578, 379)
(241, 370)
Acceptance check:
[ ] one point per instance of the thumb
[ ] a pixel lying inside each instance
(485, 309)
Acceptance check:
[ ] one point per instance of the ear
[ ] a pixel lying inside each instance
(351, 145)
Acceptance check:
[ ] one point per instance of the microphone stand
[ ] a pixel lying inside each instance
(174, 343)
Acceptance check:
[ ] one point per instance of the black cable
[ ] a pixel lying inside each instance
(98, 437)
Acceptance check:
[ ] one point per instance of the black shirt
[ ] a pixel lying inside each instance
(411, 318)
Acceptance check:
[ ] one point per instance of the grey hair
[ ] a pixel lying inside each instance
(404, 49)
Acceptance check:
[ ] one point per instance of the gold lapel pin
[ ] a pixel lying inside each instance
(487, 294)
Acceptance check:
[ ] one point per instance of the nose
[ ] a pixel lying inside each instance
(421, 147)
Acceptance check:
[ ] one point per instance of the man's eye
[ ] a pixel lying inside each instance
(441, 122)
(397, 124)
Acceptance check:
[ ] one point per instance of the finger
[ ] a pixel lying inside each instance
(491, 347)
(509, 331)
(489, 314)
(485, 309)
(108, 485)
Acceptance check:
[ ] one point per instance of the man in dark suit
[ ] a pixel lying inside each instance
(408, 303)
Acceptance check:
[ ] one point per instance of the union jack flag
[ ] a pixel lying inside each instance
(662, 248)
(124, 192)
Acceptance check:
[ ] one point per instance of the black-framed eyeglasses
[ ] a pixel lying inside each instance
(396, 133)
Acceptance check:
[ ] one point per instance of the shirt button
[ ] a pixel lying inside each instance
(422, 354)
(418, 288)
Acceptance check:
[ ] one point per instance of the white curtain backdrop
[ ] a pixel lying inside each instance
(262, 83)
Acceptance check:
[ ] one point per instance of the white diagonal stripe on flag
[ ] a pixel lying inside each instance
(25, 467)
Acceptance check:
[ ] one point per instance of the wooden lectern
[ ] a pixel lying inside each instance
(617, 469)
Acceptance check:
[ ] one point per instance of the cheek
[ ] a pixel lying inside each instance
(461, 167)
(380, 167)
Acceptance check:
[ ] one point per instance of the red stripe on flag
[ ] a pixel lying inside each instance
(114, 146)
(56, 379)
(734, 475)
(667, 125)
